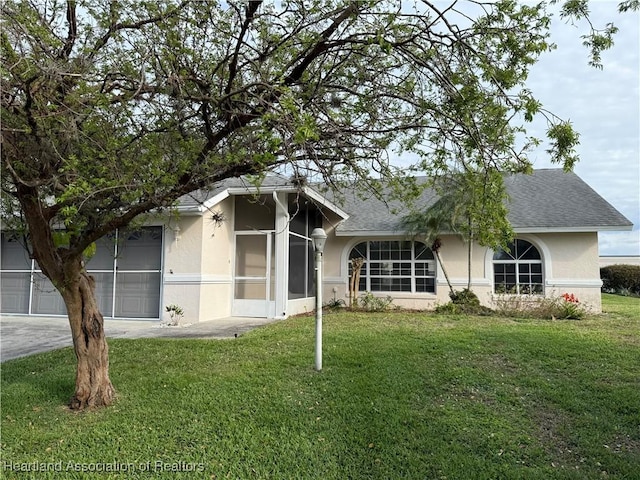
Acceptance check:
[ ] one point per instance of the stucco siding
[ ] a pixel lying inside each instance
(198, 265)
(570, 265)
(575, 267)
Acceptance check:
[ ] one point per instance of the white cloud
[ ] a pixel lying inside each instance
(604, 107)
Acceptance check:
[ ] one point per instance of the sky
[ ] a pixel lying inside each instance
(604, 107)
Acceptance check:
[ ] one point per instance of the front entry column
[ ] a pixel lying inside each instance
(281, 240)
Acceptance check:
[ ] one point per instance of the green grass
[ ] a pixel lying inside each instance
(401, 396)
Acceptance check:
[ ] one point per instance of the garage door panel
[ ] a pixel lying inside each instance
(13, 255)
(140, 250)
(46, 299)
(138, 295)
(104, 292)
(136, 269)
(15, 292)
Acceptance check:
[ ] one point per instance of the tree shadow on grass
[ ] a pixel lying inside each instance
(47, 378)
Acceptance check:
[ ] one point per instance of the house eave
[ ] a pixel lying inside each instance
(396, 233)
(318, 198)
(580, 229)
(251, 190)
(371, 233)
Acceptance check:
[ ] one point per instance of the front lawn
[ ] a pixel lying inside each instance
(401, 396)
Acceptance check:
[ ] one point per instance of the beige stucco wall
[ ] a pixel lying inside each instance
(570, 265)
(198, 265)
(573, 266)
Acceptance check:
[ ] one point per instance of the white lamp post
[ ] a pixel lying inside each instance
(319, 238)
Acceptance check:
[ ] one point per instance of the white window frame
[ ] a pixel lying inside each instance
(431, 266)
(517, 262)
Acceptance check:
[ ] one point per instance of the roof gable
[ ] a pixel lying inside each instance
(204, 199)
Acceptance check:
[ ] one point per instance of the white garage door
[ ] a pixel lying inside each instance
(127, 268)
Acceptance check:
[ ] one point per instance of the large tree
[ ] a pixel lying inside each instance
(114, 109)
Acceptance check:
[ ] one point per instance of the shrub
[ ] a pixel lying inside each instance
(334, 304)
(565, 307)
(621, 279)
(568, 307)
(464, 297)
(175, 313)
(464, 301)
(368, 301)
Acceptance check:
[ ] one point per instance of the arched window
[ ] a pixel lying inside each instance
(395, 266)
(518, 270)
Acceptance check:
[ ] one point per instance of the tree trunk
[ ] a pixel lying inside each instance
(444, 271)
(356, 265)
(93, 386)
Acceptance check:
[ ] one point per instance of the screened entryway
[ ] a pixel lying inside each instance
(254, 276)
(127, 267)
(254, 288)
(273, 261)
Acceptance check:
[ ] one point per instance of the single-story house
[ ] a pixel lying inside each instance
(239, 250)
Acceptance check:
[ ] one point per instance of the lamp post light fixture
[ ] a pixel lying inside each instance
(319, 238)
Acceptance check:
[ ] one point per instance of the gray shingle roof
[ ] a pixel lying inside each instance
(547, 200)
(554, 199)
(193, 200)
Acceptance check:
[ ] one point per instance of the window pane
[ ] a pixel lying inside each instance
(298, 223)
(386, 284)
(254, 213)
(297, 267)
(425, 285)
(505, 255)
(359, 251)
(104, 256)
(104, 292)
(311, 272)
(526, 251)
(422, 252)
(141, 250)
(385, 251)
(137, 295)
(251, 255)
(374, 250)
(46, 299)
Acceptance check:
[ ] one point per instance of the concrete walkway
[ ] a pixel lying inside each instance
(21, 336)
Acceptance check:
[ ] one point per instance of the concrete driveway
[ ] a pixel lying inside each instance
(21, 336)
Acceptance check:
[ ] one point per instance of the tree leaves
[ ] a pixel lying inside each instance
(113, 110)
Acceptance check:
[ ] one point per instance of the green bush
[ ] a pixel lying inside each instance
(464, 297)
(370, 302)
(621, 279)
(464, 301)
